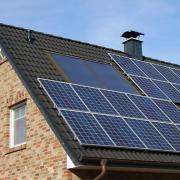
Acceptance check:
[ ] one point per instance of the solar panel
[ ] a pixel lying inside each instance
(178, 126)
(119, 131)
(149, 70)
(167, 73)
(149, 108)
(82, 108)
(62, 95)
(169, 90)
(94, 100)
(91, 73)
(171, 133)
(171, 110)
(149, 135)
(148, 87)
(86, 128)
(176, 71)
(122, 104)
(127, 65)
(177, 86)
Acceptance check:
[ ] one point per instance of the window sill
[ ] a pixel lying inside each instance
(15, 149)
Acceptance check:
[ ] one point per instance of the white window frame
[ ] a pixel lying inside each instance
(12, 120)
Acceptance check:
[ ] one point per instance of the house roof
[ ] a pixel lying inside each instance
(30, 61)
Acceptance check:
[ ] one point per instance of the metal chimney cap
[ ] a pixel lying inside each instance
(131, 34)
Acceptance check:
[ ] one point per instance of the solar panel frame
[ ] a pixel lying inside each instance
(135, 70)
(148, 87)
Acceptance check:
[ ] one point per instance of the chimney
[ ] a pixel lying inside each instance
(132, 44)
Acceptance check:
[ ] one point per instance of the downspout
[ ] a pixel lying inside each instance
(103, 169)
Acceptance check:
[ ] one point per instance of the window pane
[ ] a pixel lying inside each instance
(92, 74)
(17, 113)
(22, 111)
(19, 131)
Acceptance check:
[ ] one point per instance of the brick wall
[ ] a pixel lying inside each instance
(42, 157)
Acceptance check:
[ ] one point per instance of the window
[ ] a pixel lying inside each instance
(92, 73)
(18, 125)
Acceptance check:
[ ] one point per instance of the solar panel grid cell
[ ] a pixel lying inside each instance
(94, 100)
(176, 71)
(171, 133)
(149, 70)
(169, 90)
(167, 73)
(149, 108)
(127, 65)
(148, 87)
(119, 131)
(62, 95)
(86, 128)
(149, 135)
(171, 110)
(122, 104)
(177, 86)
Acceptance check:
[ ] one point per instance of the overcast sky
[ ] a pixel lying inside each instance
(102, 21)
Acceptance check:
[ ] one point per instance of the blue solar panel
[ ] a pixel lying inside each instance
(177, 86)
(149, 135)
(171, 133)
(149, 70)
(119, 131)
(94, 100)
(62, 95)
(127, 65)
(112, 130)
(148, 87)
(167, 73)
(176, 71)
(171, 110)
(122, 104)
(86, 128)
(169, 90)
(149, 108)
(178, 126)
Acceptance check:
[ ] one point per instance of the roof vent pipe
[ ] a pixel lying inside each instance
(29, 35)
(132, 44)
